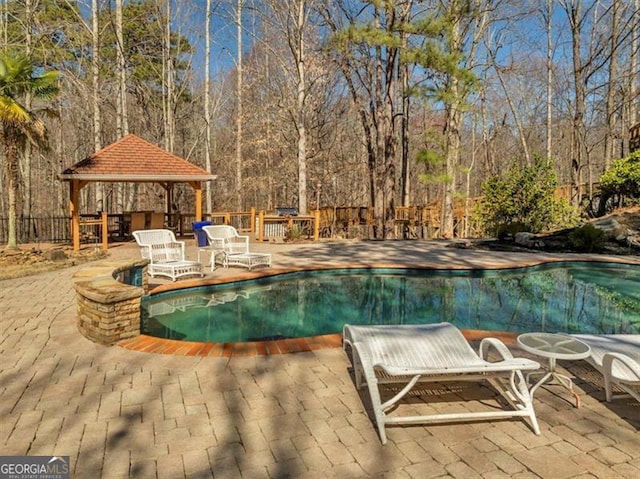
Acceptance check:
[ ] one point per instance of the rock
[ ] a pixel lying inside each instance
(55, 255)
(460, 244)
(528, 240)
(611, 228)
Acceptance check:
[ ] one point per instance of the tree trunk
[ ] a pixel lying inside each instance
(404, 82)
(453, 117)
(612, 84)
(122, 124)
(549, 24)
(4, 23)
(239, 112)
(386, 141)
(13, 179)
(171, 125)
(300, 108)
(26, 158)
(129, 194)
(633, 64)
(207, 107)
(95, 99)
(573, 11)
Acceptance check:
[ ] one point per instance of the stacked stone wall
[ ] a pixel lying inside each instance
(108, 309)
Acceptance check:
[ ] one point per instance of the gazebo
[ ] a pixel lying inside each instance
(132, 160)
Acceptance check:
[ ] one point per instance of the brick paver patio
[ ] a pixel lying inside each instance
(122, 413)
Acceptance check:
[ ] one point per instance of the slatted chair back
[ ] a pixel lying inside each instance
(227, 239)
(159, 245)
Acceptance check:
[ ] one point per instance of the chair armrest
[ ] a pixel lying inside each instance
(488, 343)
(145, 250)
(239, 239)
(183, 247)
(630, 365)
(237, 245)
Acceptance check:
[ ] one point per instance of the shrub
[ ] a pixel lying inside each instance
(295, 233)
(623, 178)
(620, 183)
(526, 196)
(587, 238)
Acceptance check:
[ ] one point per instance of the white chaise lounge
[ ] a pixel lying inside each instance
(437, 353)
(166, 254)
(617, 357)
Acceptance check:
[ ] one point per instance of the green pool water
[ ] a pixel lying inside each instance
(572, 297)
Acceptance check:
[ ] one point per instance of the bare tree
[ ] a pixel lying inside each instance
(207, 105)
(291, 19)
(122, 120)
(239, 102)
(368, 58)
(514, 111)
(95, 97)
(610, 107)
(548, 17)
(633, 63)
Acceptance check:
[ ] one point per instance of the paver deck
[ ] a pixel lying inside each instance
(123, 413)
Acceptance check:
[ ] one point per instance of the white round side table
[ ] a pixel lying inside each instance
(553, 347)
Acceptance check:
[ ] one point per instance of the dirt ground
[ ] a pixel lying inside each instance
(31, 259)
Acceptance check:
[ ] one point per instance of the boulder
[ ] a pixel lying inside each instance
(611, 228)
(528, 240)
(55, 255)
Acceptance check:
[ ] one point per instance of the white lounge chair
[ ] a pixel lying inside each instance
(617, 357)
(166, 254)
(231, 249)
(436, 353)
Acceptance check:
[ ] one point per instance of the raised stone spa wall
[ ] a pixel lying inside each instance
(108, 307)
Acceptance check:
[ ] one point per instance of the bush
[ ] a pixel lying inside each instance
(524, 196)
(623, 178)
(295, 233)
(587, 239)
(620, 183)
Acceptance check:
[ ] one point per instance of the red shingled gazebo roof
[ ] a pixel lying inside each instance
(132, 159)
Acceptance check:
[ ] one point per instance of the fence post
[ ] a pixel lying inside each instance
(316, 225)
(105, 231)
(261, 226)
(252, 226)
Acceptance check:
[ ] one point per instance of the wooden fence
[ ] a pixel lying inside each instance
(337, 222)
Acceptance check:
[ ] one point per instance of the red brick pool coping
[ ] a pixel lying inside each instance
(151, 344)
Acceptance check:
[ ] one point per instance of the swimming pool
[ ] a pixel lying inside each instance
(585, 297)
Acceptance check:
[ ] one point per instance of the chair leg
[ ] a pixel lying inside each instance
(374, 395)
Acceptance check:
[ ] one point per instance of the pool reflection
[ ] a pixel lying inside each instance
(571, 297)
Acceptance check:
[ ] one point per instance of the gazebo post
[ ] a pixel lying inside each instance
(74, 207)
(168, 188)
(197, 186)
